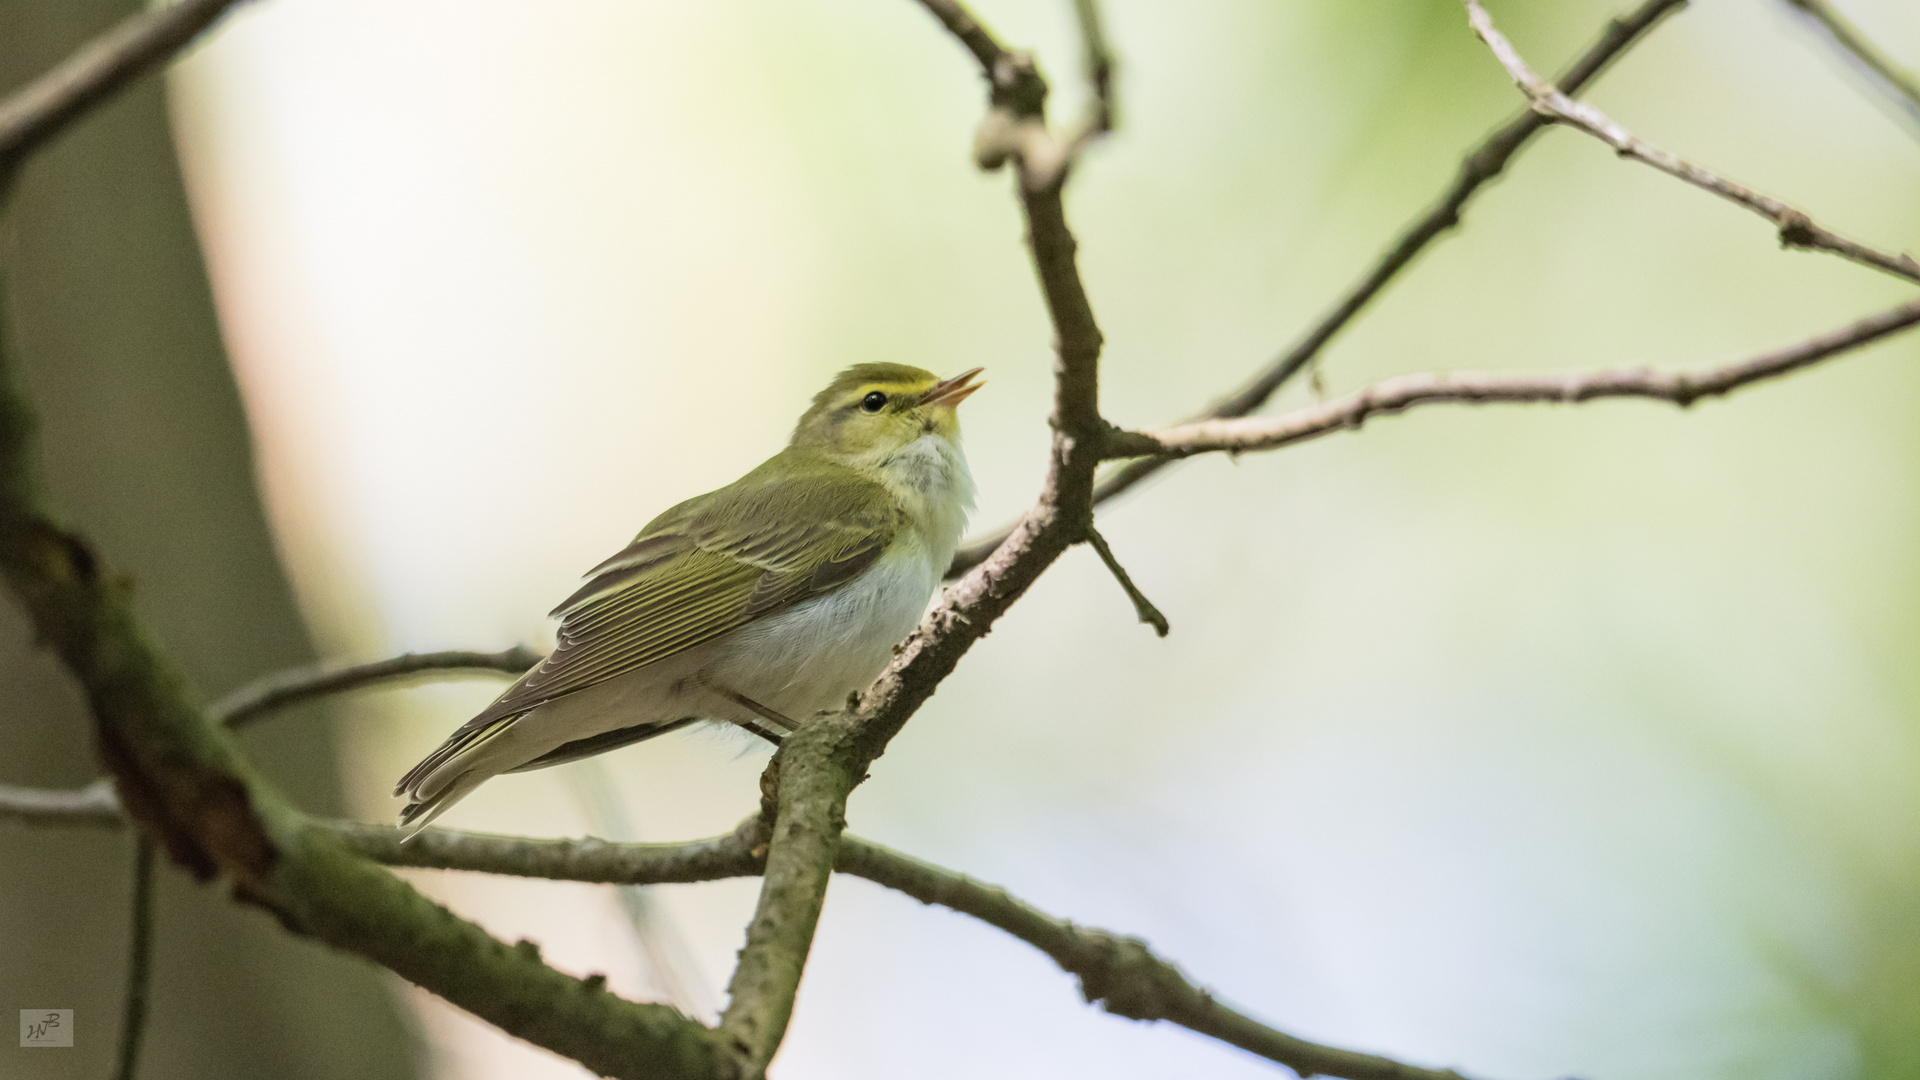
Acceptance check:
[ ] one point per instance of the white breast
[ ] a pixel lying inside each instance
(811, 656)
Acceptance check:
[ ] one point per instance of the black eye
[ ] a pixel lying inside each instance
(874, 402)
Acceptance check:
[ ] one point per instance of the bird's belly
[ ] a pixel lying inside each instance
(811, 656)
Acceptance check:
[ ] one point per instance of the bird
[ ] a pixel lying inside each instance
(755, 605)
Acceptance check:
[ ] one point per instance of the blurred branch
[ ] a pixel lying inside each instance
(133, 1017)
(1481, 165)
(95, 72)
(1407, 391)
(1097, 58)
(94, 804)
(1142, 606)
(1797, 230)
(1899, 84)
(287, 688)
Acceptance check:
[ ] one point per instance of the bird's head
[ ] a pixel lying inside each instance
(871, 410)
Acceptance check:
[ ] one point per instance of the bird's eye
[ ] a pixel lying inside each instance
(874, 402)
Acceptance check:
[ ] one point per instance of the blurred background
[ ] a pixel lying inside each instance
(1537, 742)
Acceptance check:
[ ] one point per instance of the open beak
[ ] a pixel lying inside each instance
(951, 392)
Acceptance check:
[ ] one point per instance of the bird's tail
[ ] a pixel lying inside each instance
(444, 777)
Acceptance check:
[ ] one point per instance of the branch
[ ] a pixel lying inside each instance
(94, 805)
(1142, 606)
(1120, 974)
(1407, 391)
(1097, 57)
(95, 72)
(819, 765)
(286, 688)
(1900, 84)
(179, 774)
(589, 860)
(1797, 230)
(133, 1017)
(1482, 164)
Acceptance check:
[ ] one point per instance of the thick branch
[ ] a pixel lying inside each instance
(138, 44)
(1118, 973)
(287, 688)
(1466, 388)
(1797, 230)
(1482, 164)
(1900, 84)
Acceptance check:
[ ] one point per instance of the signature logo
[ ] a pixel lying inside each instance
(46, 1027)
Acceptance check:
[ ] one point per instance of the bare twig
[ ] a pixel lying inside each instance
(1901, 85)
(587, 859)
(1097, 57)
(1481, 165)
(1120, 974)
(286, 688)
(1796, 229)
(95, 804)
(1142, 606)
(1407, 391)
(137, 44)
(133, 1016)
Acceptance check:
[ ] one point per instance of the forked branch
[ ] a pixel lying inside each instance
(1797, 230)
(1482, 164)
(1120, 974)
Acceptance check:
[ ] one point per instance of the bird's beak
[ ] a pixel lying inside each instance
(951, 392)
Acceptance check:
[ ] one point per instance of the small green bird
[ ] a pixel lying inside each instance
(759, 604)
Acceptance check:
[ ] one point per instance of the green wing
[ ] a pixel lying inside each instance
(793, 529)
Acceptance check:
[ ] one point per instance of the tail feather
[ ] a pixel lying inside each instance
(444, 777)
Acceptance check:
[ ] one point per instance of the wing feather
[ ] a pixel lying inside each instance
(774, 538)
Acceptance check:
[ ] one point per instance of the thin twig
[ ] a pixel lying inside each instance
(95, 804)
(94, 72)
(1142, 606)
(133, 1016)
(1467, 388)
(1901, 85)
(1096, 56)
(1120, 974)
(1796, 229)
(1481, 165)
(287, 688)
